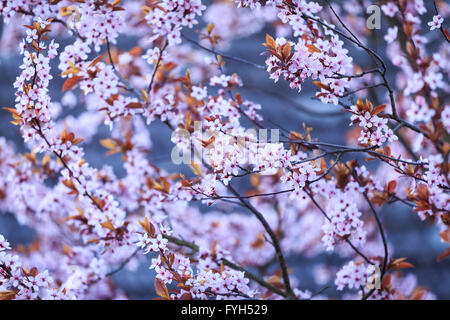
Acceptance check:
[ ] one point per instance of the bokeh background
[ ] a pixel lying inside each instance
(282, 106)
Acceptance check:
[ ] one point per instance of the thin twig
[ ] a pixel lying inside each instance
(228, 263)
(273, 237)
(237, 59)
(150, 85)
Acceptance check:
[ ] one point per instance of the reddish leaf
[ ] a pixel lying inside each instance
(444, 255)
(378, 109)
(312, 48)
(107, 224)
(391, 186)
(322, 86)
(186, 296)
(445, 236)
(134, 105)
(95, 61)
(286, 50)
(7, 295)
(136, 51)
(402, 265)
(270, 42)
(446, 218)
(70, 82)
(148, 227)
(161, 289)
(422, 192)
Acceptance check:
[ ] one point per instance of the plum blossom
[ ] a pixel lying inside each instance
(389, 9)
(436, 22)
(4, 245)
(375, 130)
(391, 34)
(352, 275)
(169, 17)
(199, 93)
(344, 222)
(238, 203)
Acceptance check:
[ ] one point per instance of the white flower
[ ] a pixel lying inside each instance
(4, 245)
(391, 34)
(199, 93)
(436, 23)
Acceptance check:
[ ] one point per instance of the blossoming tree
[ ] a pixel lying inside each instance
(304, 196)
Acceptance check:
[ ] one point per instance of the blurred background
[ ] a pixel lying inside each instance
(281, 106)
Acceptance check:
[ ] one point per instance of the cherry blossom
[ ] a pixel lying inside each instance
(391, 35)
(241, 205)
(436, 23)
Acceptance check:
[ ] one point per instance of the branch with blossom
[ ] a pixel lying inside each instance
(302, 197)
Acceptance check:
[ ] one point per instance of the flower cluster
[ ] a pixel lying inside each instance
(229, 226)
(97, 22)
(253, 4)
(344, 219)
(10, 9)
(320, 61)
(300, 174)
(18, 282)
(317, 54)
(210, 279)
(436, 23)
(353, 275)
(375, 130)
(168, 17)
(33, 104)
(429, 195)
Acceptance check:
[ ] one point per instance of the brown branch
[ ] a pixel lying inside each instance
(213, 51)
(150, 85)
(230, 264)
(273, 237)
